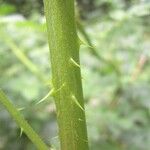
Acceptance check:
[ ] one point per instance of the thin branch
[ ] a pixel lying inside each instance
(23, 124)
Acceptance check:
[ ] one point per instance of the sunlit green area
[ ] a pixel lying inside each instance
(115, 64)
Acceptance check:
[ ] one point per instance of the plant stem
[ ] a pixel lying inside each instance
(33, 136)
(64, 50)
(21, 56)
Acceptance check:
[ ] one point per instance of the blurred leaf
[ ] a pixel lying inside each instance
(6, 9)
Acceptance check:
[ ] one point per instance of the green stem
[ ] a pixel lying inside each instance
(32, 135)
(64, 50)
(24, 59)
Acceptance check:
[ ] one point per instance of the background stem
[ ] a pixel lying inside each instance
(32, 135)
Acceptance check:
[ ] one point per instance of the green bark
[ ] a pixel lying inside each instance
(66, 76)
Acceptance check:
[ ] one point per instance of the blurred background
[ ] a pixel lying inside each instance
(115, 61)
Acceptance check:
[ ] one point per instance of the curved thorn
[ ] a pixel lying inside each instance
(74, 62)
(45, 97)
(76, 102)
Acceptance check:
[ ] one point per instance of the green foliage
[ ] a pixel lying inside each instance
(26, 7)
(6, 9)
(117, 105)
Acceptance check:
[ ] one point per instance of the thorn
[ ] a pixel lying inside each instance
(21, 132)
(74, 63)
(84, 43)
(81, 42)
(60, 88)
(50, 93)
(55, 91)
(49, 83)
(80, 119)
(86, 141)
(55, 137)
(76, 102)
(20, 109)
(90, 46)
(44, 98)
